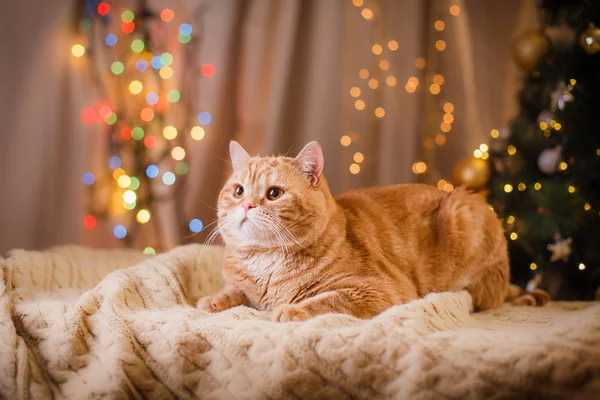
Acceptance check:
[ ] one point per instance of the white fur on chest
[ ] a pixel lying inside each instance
(265, 265)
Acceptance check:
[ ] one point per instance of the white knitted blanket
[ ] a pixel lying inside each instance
(74, 324)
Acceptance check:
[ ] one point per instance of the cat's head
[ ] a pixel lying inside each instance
(273, 202)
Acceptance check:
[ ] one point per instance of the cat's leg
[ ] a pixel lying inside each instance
(352, 301)
(228, 297)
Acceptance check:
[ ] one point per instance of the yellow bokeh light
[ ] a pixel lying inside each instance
(77, 50)
(448, 187)
(495, 133)
(514, 236)
(419, 167)
(377, 49)
(135, 87)
(441, 184)
(454, 10)
(557, 126)
(485, 156)
(391, 82)
(143, 216)
(512, 150)
(508, 188)
(438, 79)
(197, 133)
(521, 187)
(124, 181)
(354, 168)
(434, 88)
(373, 84)
(543, 126)
(598, 152)
(563, 166)
(449, 118)
(537, 186)
(571, 189)
(166, 72)
(363, 73)
(345, 140)
(393, 45)
(410, 88)
(170, 132)
(448, 107)
(440, 139)
(445, 127)
(439, 25)
(440, 45)
(367, 13)
(384, 65)
(581, 266)
(587, 207)
(359, 105)
(359, 157)
(413, 81)
(510, 219)
(547, 133)
(379, 112)
(178, 153)
(533, 266)
(572, 81)
(357, 3)
(355, 92)
(477, 153)
(483, 147)
(118, 172)
(129, 196)
(420, 62)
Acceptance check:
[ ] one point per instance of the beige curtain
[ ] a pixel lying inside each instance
(284, 73)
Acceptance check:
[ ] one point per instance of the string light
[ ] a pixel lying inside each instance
(514, 236)
(434, 89)
(439, 25)
(373, 84)
(379, 112)
(367, 13)
(197, 133)
(533, 266)
(508, 188)
(173, 96)
(129, 196)
(510, 219)
(204, 118)
(587, 207)
(454, 10)
(208, 70)
(419, 167)
(354, 169)
(390, 81)
(166, 72)
(359, 105)
(167, 15)
(120, 232)
(78, 50)
(358, 157)
(563, 166)
(521, 187)
(117, 68)
(363, 73)
(89, 221)
(445, 127)
(170, 132)
(355, 92)
(571, 189)
(440, 139)
(135, 87)
(511, 150)
(127, 27)
(449, 118)
(440, 45)
(147, 114)
(438, 79)
(89, 178)
(537, 186)
(150, 142)
(127, 16)
(117, 173)
(178, 153)
(377, 49)
(137, 133)
(393, 45)
(143, 216)
(495, 133)
(103, 8)
(581, 266)
(448, 107)
(124, 181)
(345, 140)
(477, 153)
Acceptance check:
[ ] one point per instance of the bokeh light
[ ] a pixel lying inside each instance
(181, 168)
(127, 16)
(168, 178)
(127, 27)
(167, 15)
(137, 45)
(354, 169)
(89, 178)
(143, 216)
(78, 50)
(141, 65)
(88, 115)
(185, 29)
(197, 133)
(166, 72)
(166, 58)
(137, 133)
(147, 114)
(208, 70)
(129, 196)
(196, 225)
(152, 171)
(117, 67)
(156, 62)
(120, 231)
(135, 183)
(393, 45)
(124, 181)
(114, 162)
(173, 95)
(149, 251)
(178, 153)
(89, 221)
(204, 118)
(110, 39)
(170, 132)
(345, 140)
(152, 98)
(150, 142)
(135, 87)
(103, 8)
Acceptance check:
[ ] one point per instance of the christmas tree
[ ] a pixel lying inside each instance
(544, 180)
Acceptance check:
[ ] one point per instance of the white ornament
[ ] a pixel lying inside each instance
(549, 159)
(561, 249)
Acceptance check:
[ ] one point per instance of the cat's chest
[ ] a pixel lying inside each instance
(264, 279)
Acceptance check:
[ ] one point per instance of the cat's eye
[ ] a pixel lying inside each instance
(274, 193)
(238, 191)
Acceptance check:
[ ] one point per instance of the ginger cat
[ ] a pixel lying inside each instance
(294, 249)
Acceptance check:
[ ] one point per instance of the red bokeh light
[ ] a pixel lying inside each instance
(208, 70)
(103, 8)
(89, 221)
(167, 15)
(147, 114)
(126, 133)
(88, 115)
(150, 142)
(105, 111)
(127, 27)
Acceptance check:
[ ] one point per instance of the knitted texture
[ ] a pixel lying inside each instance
(79, 323)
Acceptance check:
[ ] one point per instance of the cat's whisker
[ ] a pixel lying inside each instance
(201, 230)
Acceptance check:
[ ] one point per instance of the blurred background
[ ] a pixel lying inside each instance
(118, 114)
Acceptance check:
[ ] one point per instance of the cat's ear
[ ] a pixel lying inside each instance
(239, 156)
(310, 162)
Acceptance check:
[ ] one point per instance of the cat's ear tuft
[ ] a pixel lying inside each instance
(310, 162)
(239, 156)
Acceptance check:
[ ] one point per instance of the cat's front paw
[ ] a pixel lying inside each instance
(289, 312)
(214, 304)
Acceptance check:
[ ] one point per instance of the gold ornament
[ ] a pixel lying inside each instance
(590, 40)
(472, 172)
(529, 48)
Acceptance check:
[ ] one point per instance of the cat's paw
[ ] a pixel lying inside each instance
(290, 312)
(537, 297)
(216, 303)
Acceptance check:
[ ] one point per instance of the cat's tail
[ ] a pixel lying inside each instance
(521, 297)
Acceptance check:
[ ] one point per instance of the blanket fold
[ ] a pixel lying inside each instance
(80, 323)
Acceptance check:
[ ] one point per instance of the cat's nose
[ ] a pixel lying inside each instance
(247, 206)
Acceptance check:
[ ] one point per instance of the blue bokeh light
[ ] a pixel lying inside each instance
(152, 171)
(204, 118)
(141, 65)
(196, 225)
(120, 231)
(110, 39)
(156, 62)
(185, 29)
(114, 162)
(152, 98)
(89, 178)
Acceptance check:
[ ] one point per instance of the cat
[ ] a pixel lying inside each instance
(294, 249)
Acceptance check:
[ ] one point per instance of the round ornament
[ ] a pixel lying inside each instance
(472, 172)
(548, 160)
(529, 48)
(590, 39)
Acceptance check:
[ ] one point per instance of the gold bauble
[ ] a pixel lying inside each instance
(590, 40)
(471, 172)
(529, 48)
